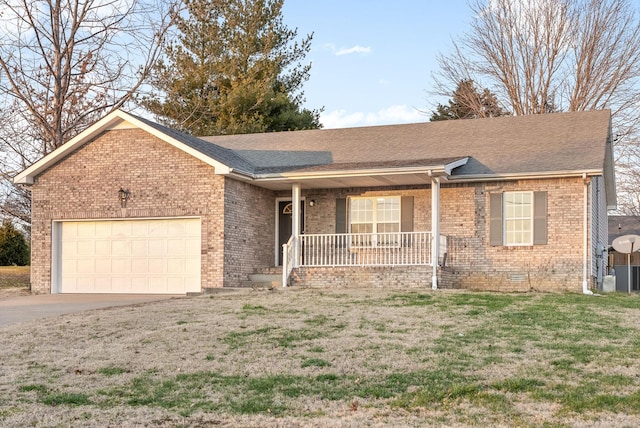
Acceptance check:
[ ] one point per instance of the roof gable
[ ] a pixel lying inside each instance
(222, 159)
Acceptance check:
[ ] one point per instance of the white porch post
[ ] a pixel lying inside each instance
(295, 226)
(435, 230)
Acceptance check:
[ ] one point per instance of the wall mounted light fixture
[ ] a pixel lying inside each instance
(312, 202)
(124, 197)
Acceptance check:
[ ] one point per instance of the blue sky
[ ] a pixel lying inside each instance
(372, 59)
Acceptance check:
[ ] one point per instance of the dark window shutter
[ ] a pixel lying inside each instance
(406, 213)
(539, 218)
(341, 215)
(495, 215)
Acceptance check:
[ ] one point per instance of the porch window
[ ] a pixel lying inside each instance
(518, 218)
(379, 217)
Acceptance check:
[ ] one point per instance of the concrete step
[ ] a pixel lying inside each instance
(262, 284)
(265, 277)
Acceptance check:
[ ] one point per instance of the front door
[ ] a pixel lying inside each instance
(285, 224)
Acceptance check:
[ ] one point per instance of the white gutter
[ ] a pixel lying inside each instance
(585, 238)
(527, 175)
(350, 173)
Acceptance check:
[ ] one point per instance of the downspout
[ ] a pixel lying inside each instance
(585, 238)
(435, 229)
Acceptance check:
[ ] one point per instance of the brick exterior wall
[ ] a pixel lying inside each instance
(471, 262)
(238, 219)
(249, 231)
(163, 181)
(354, 277)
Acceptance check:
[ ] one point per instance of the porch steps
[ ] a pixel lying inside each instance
(265, 278)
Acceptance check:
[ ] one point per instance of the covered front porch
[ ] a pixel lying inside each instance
(376, 223)
(388, 241)
(363, 250)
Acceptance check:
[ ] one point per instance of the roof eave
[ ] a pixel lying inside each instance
(432, 170)
(524, 175)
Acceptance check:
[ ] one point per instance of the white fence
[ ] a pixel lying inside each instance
(366, 249)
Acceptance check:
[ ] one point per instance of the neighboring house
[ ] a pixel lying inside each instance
(621, 225)
(518, 203)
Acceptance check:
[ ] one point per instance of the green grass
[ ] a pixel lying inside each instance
(187, 393)
(112, 371)
(314, 362)
(15, 276)
(445, 358)
(66, 398)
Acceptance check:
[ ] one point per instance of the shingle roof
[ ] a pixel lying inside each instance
(560, 143)
(504, 145)
(620, 225)
(214, 151)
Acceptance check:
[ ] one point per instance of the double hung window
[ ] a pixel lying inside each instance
(518, 218)
(375, 221)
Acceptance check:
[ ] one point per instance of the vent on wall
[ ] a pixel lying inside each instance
(517, 277)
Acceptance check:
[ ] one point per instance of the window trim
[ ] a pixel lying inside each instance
(531, 218)
(374, 222)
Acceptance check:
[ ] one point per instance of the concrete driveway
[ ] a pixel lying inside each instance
(26, 308)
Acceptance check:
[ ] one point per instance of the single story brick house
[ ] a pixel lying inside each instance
(508, 203)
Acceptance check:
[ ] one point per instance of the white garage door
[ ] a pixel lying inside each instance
(129, 256)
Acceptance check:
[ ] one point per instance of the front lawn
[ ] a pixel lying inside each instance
(330, 358)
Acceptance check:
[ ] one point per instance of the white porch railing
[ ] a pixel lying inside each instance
(287, 261)
(358, 249)
(366, 249)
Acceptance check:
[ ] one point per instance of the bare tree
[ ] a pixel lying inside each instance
(542, 56)
(64, 64)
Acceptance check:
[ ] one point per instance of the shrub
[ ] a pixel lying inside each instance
(14, 249)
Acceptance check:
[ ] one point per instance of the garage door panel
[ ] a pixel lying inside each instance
(103, 266)
(139, 285)
(120, 247)
(140, 266)
(139, 248)
(174, 284)
(121, 266)
(102, 229)
(86, 229)
(157, 247)
(103, 248)
(140, 229)
(121, 284)
(175, 266)
(101, 284)
(175, 247)
(121, 228)
(85, 266)
(191, 265)
(130, 256)
(192, 247)
(157, 266)
(85, 248)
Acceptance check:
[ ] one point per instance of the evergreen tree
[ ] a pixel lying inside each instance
(234, 68)
(13, 247)
(468, 103)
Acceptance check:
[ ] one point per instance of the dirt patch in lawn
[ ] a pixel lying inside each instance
(329, 358)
